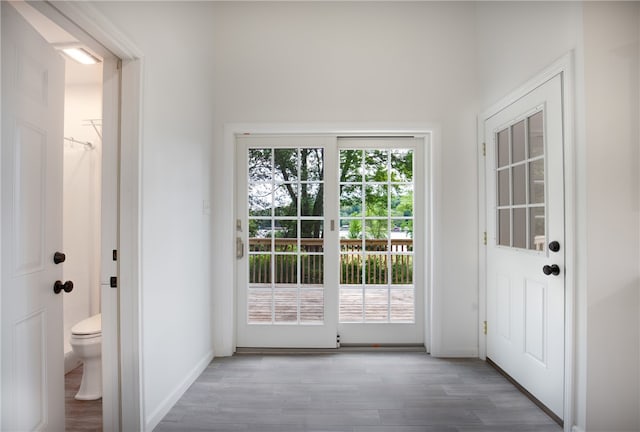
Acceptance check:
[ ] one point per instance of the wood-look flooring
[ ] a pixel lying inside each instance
(80, 415)
(353, 392)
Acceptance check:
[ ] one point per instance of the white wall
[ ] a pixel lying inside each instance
(356, 62)
(612, 80)
(516, 40)
(177, 135)
(81, 196)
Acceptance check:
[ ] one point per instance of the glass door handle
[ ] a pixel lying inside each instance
(239, 248)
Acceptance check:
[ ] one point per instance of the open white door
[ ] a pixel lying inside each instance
(526, 242)
(32, 140)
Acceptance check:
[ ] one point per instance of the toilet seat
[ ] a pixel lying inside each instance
(88, 328)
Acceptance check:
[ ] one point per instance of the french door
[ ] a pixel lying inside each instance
(325, 241)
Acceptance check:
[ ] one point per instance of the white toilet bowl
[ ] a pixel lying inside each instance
(86, 343)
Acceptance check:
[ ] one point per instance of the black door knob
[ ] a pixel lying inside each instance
(554, 246)
(59, 286)
(552, 269)
(59, 257)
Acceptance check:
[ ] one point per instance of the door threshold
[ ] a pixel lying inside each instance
(349, 348)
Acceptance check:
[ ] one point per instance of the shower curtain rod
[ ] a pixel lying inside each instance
(84, 143)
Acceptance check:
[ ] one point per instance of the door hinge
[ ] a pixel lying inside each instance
(484, 149)
(484, 327)
(484, 238)
(113, 282)
(114, 255)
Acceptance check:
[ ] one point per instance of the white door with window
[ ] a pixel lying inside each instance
(32, 139)
(325, 241)
(525, 247)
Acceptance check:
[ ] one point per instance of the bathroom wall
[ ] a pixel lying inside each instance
(81, 202)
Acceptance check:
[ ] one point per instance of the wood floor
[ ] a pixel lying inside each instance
(353, 392)
(80, 415)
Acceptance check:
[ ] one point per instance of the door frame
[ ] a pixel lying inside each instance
(564, 66)
(430, 132)
(122, 102)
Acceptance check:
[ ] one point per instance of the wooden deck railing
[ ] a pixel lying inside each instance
(352, 260)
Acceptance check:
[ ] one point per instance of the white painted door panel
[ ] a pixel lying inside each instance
(32, 139)
(525, 212)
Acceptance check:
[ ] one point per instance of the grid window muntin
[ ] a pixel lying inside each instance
(288, 250)
(505, 169)
(363, 180)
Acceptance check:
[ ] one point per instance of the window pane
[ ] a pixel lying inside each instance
(312, 168)
(503, 187)
(260, 269)
(504, 227)
(376, 235)
(350, 165)
(401, 269)
(519, 185)
(350, 269)
(311, 306)
(350, 229)
(351, 304)
(285, 200)
(402, 235)
(537, 240)
(260, 305)
(312, 269)
(536, 135)
(376, 200)
(260, 168)
(375, 165)
(402, 304)
(259, 199)
(350, 200)
(401, 165)
(536, 182)
(286, 165)
(285, 305)
(286, 267)
(376, 269)
(286, 235)
(520, 228)
(503, 148)
(376, 302)
(518, 140)
(311, 199)
(260, 233)
(311, 235)
(402, 200)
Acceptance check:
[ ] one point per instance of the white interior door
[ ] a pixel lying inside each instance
(286, 289)
(32, 140)
(525, 247)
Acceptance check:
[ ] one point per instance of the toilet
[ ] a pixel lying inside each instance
(86, 343)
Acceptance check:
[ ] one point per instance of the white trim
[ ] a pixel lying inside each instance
(431, 134)
(564, 67)
(576, 429)
(173, 397)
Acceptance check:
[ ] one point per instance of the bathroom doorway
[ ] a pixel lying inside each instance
(82, 163)
(89, 187)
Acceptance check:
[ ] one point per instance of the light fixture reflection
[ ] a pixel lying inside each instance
(81, 56)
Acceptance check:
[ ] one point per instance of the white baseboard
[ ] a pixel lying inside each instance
(576, 429)
(455, 353)
(165, 406)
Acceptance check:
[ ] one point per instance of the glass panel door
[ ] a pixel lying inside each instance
(282, 277)
(379, 301)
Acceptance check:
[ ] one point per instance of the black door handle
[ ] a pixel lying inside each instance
(59, 257)
(59, 286)
(554, 246)
(552, 269)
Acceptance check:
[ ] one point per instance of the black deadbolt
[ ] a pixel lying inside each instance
(554, 246)
(59, 257)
